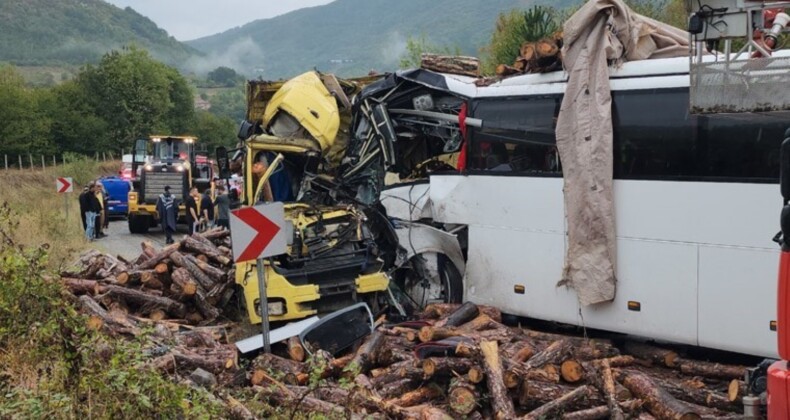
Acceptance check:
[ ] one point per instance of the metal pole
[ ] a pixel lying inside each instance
(264, 303)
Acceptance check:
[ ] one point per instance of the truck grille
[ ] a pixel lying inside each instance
(155, 185)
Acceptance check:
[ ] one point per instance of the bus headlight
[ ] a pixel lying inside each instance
(180, 168)
(149, 168)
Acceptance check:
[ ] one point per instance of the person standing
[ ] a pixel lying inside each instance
(223, 207)
(100, 198)
(191, 204)
(92, 213)
(167, 209)
(207, 209)
(84, 205)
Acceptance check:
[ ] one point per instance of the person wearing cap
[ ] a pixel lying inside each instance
(167, 209)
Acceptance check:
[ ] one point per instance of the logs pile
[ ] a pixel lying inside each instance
(186, 283)
(542, 56)
(462, 362)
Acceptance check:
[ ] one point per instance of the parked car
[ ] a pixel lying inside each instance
(117, 195)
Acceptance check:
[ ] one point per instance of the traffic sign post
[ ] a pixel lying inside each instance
(258, 233)
(62, 186)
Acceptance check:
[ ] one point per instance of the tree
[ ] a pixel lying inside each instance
(136, 96)
(214, 131)
(230, 103)
(23, 127)
(224, 76)
(515, 27)
(416, 47)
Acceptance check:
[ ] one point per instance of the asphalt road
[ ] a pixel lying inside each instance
(120, 242)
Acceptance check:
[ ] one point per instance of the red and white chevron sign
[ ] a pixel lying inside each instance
(64, 185)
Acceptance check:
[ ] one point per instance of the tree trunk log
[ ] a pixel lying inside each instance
(418, 396)
(364, 357)
(155, 259)
(550, 409)
(533, 394)
(82, 286)
(710, 370)
(203, 246)
(600, 412)
(137, 297)
(658, 401)
(650, 353)
(462, 397)
(202, 278)
(501, 403)
(604, 381)
(503, 70)
(571, 371)
(441, 310)
(186, 284)
(736, 390)
(467, 66)
(463, 314)
(445, 366)
(295, 350)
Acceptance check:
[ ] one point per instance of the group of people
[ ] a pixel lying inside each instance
(203, 211)
(93, 201)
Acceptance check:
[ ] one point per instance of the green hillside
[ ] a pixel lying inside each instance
(63, 32)
(351, 37)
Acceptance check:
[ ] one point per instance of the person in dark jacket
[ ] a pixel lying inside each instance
(223, 207)
(93, 210)
(191, 204)
(167, 209)
(84, 205)
(207, 209)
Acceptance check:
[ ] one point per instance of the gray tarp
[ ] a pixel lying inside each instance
(602, 32)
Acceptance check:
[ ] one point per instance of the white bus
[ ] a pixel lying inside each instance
(696, 203)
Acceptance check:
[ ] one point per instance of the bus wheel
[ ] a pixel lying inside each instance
(138, 224)
(430, 278)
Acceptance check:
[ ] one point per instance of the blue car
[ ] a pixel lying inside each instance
(117, 195)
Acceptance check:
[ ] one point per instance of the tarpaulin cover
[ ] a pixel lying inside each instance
(601, 33)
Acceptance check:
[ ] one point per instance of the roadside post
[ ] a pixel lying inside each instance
(64, 186)
(258, 233)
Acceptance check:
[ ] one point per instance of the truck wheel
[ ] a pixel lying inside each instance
(138, 224)
(430, 278)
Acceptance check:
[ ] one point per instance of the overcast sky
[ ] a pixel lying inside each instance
(190, 19)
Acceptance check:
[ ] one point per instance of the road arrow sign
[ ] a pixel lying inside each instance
(64, 185)
(258, 232)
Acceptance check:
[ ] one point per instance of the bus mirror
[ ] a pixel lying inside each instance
(223, 163)
(784, 167)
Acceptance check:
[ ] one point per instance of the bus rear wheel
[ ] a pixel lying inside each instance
(430, 278)
(138, 223)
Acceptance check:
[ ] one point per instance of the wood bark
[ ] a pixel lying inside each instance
(186, 284)
(571, 371)
(504, 70)
(137, 297)
(82, 286)
(101, 319)
(658, 401)
(550, 409)
(462, 397)
(418, 396)
(736, 390)
(710, 370)
(461, 315)
(501, 403)
(604, 381)
(159, 256)
(445, 366)
(600, 412)
(650, 353)
(533, 394)
(200, 245)
(364, 356)
(467, 66)
(441, 310)
(295, 350)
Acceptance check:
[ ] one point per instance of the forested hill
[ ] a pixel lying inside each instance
(55, 32)
(351, 37)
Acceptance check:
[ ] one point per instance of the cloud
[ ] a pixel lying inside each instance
(240, 56)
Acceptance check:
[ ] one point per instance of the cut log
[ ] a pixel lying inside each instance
(600, 412)
(736, 390)
(546, 48)
(710, 370)
(283, 397)
(477, 374)
(467, 66)
(202, 278)
(215, 234)
(547, 373)
(137, 297)
(206, 309)
(157, 315)
(533, 394)
(200, 245)
(572, 371)
(462, 397)
(267, 362)
(82, 286)
(186, 284)
(518, 352)
(155, 259)
(550, 409)
(215, 274)
(135, 277)
(364, 357)
(501, 403)
(418, 396)
(650, 353)
(162, 268)
(556, 353)
(658, 401)
(295, 349)
(463, 314)
(396, 388)
(604, 381)
(435, 366)
(504, 70)
(100, 319)
(701, 396)
(441, 310)
(527, 51)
